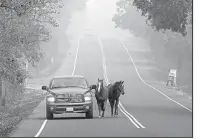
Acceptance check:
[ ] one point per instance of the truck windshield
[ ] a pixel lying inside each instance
(68, 82)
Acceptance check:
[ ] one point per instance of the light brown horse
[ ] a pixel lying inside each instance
(101, 95)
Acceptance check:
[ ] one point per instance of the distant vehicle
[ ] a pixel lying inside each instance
(67, 95)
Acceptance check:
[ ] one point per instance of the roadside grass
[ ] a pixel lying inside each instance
(155, 69)
(21, 103)
(184, 77)
(18, 107)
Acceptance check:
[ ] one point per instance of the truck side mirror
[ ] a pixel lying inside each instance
(44, 88)
(93, 86)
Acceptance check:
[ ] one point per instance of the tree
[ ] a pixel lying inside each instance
(24, 24)
(160, 14)
(165, 14)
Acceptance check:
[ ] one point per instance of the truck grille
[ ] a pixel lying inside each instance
(63, 98)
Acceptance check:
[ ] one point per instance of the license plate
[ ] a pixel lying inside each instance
(69, 109)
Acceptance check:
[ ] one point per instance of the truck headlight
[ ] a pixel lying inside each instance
(50, 99)
(87, 98)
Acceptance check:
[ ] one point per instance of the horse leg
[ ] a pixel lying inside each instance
(111, 105)
(99, 108)
(116, 106)
(103, 107)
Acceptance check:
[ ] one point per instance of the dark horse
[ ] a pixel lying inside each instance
(114, 92)
(101, 95)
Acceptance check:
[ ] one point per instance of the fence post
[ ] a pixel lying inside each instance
(2, 92)
(26, 69)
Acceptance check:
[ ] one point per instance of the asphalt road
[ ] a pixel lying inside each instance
(144, 111)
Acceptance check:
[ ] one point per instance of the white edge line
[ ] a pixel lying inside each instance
(128, 115)
(45, 121)
(76, 58)
(147, 83)
(41, 128)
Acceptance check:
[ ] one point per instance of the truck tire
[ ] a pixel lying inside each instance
(89, 114)
(49, 115)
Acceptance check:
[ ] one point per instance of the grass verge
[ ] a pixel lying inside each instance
(18, 107)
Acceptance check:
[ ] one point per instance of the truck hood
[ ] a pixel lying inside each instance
(70, 90)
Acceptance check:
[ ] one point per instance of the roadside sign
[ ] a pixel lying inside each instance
(171, 81)
(172, 72)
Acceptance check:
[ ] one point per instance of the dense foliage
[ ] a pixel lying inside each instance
(165, 14)
(24, 24)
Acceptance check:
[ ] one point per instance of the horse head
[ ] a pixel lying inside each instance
(99, 85)
(120, 87)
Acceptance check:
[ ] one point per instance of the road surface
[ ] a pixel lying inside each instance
(144, 112)
(99, 53)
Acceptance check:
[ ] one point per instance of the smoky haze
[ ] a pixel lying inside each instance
(129, 44)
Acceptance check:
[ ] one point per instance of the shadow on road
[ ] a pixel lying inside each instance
(75, 118)
(38, 118)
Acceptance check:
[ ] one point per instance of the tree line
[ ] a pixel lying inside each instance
(167, 25)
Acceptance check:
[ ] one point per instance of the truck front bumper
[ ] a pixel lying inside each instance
(59, 108)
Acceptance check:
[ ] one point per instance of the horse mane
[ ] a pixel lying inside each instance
(115, 85)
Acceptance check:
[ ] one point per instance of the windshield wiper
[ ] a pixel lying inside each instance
(77, 86)
(56, 87)
(59, 87)
(72, 86)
